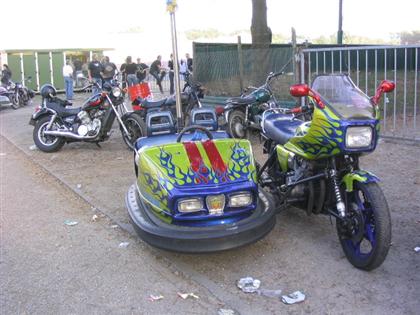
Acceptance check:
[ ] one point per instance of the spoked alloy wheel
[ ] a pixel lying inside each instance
(135, 127)
(45, 142)
(236, 124)
(366, 238)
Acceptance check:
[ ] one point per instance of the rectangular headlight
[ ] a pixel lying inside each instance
(241, 199)
(358, 137)
(190, 205)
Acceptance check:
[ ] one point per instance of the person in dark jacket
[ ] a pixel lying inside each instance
(6, 75)
(157, 71)
(189, 62)
(142, 70)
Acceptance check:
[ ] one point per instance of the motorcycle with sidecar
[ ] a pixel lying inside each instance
(201, 191)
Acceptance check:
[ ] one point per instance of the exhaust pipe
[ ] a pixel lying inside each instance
(67, 134)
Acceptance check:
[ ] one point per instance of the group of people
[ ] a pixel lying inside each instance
(133, 73)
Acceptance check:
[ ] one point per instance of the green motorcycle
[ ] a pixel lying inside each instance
(313, 163)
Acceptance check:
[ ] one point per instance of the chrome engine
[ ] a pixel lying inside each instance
(89, 126)
(301, 169)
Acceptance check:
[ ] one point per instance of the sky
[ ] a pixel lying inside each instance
(93, 23)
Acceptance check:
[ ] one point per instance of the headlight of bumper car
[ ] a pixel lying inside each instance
(190, 205)
(358, 137)
(241, 199)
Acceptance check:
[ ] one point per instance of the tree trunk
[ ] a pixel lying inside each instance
(261, 40)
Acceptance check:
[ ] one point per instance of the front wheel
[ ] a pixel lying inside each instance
(236, 124)
(366, 236)
(44, 142)
(136, 129)
(15, 101)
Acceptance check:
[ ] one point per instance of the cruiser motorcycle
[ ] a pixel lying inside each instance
(313, 163)
(56, 123)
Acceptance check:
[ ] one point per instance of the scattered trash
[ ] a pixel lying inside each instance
(120, 158)
(293, 298)
(70, 222)
(187, 295)
(114, 226)
(3, 154)
(417, 249)
(269, 293)
(78, 186)
(226, 311)
(154, 298)
(33, 147)
(124, 244)
(248, 284)
(94, 218)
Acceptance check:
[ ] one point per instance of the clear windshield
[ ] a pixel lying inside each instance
(340, 93)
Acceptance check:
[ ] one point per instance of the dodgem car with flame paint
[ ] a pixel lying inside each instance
(196, 191)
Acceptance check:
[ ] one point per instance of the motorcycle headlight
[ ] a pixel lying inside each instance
(241, 199)
(190, 205)
(358, 137)
(116, 91)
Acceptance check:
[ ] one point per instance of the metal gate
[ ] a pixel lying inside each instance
(368, 66)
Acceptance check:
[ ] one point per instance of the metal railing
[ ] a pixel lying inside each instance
(368, 66)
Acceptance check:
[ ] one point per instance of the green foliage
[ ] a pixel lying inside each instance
(409, 38)
(195, 34)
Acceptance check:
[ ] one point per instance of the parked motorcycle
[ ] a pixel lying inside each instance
(314, 164)
(191, 94)
(56, 123)
(6, 97)
(244, 113)
(18, 94)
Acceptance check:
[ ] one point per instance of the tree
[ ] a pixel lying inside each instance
(261, 40)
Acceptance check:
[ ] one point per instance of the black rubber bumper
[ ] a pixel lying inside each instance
(199, 239)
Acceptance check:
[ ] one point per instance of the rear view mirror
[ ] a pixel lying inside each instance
(387, 86)
(299, 90)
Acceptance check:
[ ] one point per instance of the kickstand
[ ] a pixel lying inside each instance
(99, 146)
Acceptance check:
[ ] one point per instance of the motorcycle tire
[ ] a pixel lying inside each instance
(135, 127)
(46, 143)
(236, 124)
(14, 101)
(367, 245)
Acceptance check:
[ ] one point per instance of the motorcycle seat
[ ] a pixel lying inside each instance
(154, 104)
(63, 111)
(281, 127)
(249, 99)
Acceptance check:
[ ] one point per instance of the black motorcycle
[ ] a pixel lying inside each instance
(57, 123)
(18, 94)
(244, 113)
(191, 94)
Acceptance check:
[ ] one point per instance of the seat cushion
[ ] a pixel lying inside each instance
(153, 104)
(171, 138)
(281, 127)
(249, 99)
(63, 111)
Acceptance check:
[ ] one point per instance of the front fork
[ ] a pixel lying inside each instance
(341, 207)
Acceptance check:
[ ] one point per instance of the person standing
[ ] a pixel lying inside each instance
(68, 80)
(94, 70)
(157, 72)
(189, 62)
(130, 70)
(171, 74)
(108, 69)
(6, 75)
(142, 70)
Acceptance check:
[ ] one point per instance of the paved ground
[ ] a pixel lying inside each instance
(301, 253)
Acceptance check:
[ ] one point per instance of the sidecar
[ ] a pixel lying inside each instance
(196, 191)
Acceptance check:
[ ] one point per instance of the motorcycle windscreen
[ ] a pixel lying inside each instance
(343, 96)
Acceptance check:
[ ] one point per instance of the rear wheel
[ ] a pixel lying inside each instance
(44, 142)
(136, 129)
(366, 238)
(236, 124)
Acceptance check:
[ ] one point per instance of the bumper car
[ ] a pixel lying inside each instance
(196, 190)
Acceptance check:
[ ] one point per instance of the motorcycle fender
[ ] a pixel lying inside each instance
(229, 108)
(359, 176)
(38, 115)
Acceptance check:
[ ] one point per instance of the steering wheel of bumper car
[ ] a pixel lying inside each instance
(194, 128)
